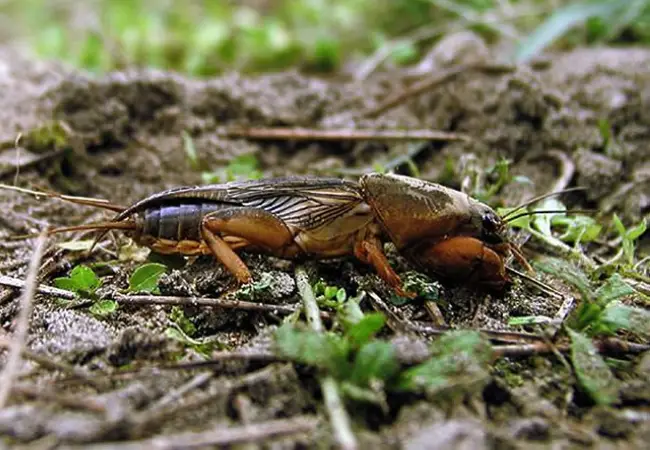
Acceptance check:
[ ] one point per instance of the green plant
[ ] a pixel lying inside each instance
(366, 367)
(84, 282)
(145, 278)
(600, 313)
(604, 19)
(422, 285)
(243, 167)
(484, 183)
(575, 228)
(628, 241)
(330, 296)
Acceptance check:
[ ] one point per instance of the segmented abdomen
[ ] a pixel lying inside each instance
(176, 222)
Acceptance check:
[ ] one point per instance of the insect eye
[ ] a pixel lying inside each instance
(491, 223)
(491, 228)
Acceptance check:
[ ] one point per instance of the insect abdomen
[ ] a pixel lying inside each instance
(176, 222)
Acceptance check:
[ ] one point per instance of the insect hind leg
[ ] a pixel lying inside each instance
(227, 229)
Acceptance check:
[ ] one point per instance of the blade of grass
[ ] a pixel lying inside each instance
(561, 21)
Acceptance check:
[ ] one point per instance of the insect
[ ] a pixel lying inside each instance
(439, 230)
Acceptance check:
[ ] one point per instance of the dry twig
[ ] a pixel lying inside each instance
(222, 302)
(609, 346)
(430, 83)
(220, 436)
(41, 289)
(53, 364)
(315, 134)
(398, 324)
(22, 321)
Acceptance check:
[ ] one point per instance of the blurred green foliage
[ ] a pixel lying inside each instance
(208, 37)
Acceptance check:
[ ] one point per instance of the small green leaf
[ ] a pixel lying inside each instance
(543, 221)
(587, 316)
(251, 290)
(618, 224)
(459, 358)
(613, 289)
(66, 283)
(366, 328)
(325, 351)
(424, 286)
(330, 292)
(374, 361)
(178, 317)
(350, 314)
(364, 395)
(82, 280)
(578, 228)
(203, 346)
(618, 316)
(634, 233)
(341, 295)
(528, 320)
(145, 278)
(319, 288)
(103, 308)
(567, 272)
(592, 372)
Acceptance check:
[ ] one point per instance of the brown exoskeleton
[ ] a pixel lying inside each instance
(438, 229)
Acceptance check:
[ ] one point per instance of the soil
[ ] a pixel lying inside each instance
(126, 142)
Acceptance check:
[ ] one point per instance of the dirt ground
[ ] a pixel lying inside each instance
(127, 143)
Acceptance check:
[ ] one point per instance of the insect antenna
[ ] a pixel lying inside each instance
(541, 197)
(98, 203)
(519, 256)
(543, 286)
(549, 211)
(106, 226)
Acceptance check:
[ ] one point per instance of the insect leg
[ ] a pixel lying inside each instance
(369, 250)
(252, 225)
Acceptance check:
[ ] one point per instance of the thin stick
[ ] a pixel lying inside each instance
(41, 289)
(217, 359)
(143, 422)
(85, 403)
(430, 83)
(207, 301)
(176, 394)
(393, 321)
(315, 134)
(613, 346)
(53, 364)
(402, 325)
(494, 335)
(333, 403)
(565, 309)
(221, 302)
(22, 322)
(435, 313)
(219, 436)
